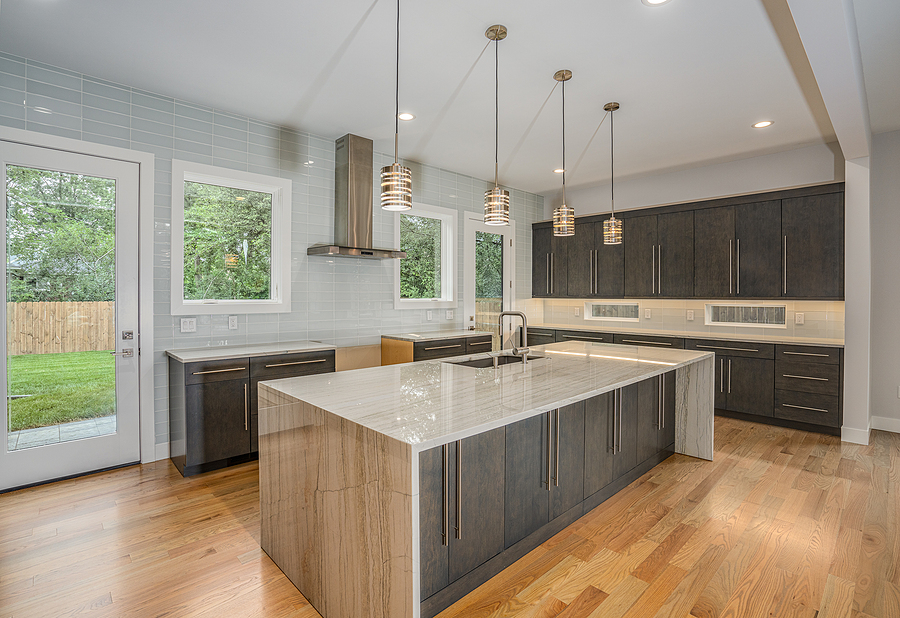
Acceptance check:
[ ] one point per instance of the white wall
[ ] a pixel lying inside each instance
(793, 168)
(885, 212)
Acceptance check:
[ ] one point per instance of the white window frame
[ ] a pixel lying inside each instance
(280, 188)
(448, 220)
(475, 222)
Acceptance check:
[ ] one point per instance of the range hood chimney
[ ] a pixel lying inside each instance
(353, 199)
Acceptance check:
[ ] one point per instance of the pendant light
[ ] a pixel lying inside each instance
(612, 228)
(563, 216)
(396, 179)
(496, 200)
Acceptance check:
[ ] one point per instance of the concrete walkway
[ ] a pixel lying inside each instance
(41, 436)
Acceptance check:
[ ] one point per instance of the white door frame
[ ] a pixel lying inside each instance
(474, 222)
(145, 162)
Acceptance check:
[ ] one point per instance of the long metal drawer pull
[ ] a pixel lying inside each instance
(718, 347)
(581, 337)
(537, 333)
(556, 476)
(785, 375)
(318, 360)
(444, 347)
(246, 410)
(481, 343)
(459, 489)
(807, 354)
(788, 405)
(200, 373)
(445, 483)
(647, 342)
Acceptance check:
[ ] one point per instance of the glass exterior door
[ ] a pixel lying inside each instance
(70, 369)
(489, 257)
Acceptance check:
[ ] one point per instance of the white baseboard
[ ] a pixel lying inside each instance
(856, 436)
(162, 451)
(886, 424)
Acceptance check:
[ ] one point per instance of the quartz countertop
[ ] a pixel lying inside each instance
(750, 335)
(435, 335)
(429, 403)
(194, 355)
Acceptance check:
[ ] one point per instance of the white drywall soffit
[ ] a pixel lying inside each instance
(828, 31)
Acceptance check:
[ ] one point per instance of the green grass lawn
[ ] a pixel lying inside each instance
(70, 386)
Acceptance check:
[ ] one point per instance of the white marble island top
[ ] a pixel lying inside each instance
(435, 335)
(194, 355)
(429, 403)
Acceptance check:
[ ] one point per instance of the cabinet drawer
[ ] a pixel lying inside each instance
(808, 408)
(538, 336)
(744, 349)
(287, 365)
(807, 378)
(584, 335)
(217, 370)
(439, 348)
(649, 340)
(808, 354)
(474, 345)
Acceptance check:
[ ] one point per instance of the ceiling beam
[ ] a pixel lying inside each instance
(827, 29)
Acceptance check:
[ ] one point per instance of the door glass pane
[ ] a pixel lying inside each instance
(488, 283)
(60, 293)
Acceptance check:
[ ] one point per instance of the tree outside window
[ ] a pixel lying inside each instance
(420, 270)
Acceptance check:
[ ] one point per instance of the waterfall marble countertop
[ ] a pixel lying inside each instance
(430, 403)
(194, 355)
(435, 335)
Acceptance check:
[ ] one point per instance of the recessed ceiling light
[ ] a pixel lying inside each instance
(763, 124)
(558, 171)
(405, 116)
(654, 2)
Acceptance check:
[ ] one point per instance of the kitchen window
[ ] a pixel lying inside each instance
(230, 241)
(425, 277)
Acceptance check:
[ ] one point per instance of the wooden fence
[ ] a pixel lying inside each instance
(47, 328)
(487, 314)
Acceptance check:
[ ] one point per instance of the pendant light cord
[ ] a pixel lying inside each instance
(612, 164)
(397, 90)
(564, 143)
(496, 113)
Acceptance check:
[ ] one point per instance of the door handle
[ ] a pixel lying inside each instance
(125, 353)
(445, 488)
(459, 489)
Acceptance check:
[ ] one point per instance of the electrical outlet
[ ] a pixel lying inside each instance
(577, 312)
(799, 319)
(449, 314)
(429, 315)
(232, 322)
(690, 315)
(189, 325)
(647, 314)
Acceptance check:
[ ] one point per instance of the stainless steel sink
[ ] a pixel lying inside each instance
(493, 361)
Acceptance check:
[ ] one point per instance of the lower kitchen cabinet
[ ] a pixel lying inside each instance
(748, 385)
(598, 443)
(625, 429)
(567, 489)
(656, 415)
(227, 405)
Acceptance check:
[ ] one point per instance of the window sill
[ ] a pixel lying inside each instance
(230, 307)
(425, 304)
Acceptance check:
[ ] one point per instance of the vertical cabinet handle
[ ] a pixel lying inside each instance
(591, 261)
(739, 266)
(549, 449)
(653, 272)
(556, 475)
(552, 261)
(659, 398)
(459, 489)
(548, 274)
(730, 264)
(662, 402)
(611, 443)
(659, 270)
(445, 486)
(784, 268)
(722, 375)
(620, 420)
(729, 376)
(246, 409)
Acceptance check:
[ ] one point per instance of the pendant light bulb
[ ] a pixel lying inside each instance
(563, 216)
(613, 230)
(496, 200)
(396, 179)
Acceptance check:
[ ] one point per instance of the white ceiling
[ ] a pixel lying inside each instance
(691, 75)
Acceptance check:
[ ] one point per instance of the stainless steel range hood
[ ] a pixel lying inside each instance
(353, 199)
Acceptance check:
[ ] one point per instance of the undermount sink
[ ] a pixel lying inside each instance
(493, 361)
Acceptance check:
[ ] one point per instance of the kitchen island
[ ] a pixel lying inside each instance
(392, 491)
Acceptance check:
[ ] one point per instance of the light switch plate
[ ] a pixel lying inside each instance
(799, 319)
(449, 314)
(647, 314)
(232, 322)
(577, 312)
(429, 315)
(690, 315)
(189, 325)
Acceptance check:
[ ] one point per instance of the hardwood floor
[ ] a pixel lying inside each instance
(782, 523)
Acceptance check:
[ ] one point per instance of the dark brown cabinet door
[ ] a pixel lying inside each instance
(675, 254)
(528, 470)
(667, 434)
(750, 385)
(627, 428)
(567, 489)
(609, 266)
(580, 262)
(559, 264)
(640, 240)
(433, 552)
(719, 387)
(813, 246)
(714, 252)
(218, 420)
(478, 466)
(598, 443)
(649, 418)
(757, 230)
(541, 240)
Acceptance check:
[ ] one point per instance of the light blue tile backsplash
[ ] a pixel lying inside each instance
(345, 302)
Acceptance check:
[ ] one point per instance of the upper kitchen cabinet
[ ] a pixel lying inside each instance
(659, 255)
(548, 262)
(595, 270)
(812, 231)
(736, 251)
